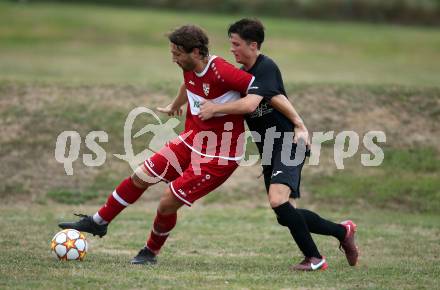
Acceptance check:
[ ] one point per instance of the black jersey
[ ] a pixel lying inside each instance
(268, 83)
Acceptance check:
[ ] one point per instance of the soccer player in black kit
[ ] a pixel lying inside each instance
(274, 121)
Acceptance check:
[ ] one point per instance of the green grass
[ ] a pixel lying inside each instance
(218, 248)
(407, 179)
(84, 67)
(71, 197)
(95, 44)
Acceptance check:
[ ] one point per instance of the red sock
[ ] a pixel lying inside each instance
(125, 194)
(162, 226)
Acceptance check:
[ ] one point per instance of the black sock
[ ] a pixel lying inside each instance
(288, 216)
(318, 225)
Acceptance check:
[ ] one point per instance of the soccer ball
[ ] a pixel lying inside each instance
(69, 245)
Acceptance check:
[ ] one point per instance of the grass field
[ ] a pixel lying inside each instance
(216, 247)
(87, 44)
(84, 67)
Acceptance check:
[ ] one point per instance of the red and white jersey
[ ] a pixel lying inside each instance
(220, 136)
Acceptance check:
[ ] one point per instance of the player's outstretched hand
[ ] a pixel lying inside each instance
(171, 110)
(206, 110)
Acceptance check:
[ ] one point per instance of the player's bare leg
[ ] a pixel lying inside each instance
(164, 222)
(126, 193)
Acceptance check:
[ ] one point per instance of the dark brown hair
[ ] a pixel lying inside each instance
(249, 30)
(188, 37)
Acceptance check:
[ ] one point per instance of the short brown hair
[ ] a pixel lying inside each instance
(248, 30)
(188, 37)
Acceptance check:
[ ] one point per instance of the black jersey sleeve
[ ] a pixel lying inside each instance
(268, 81)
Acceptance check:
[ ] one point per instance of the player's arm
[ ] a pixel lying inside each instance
(249, 104)
(282, 105)
(175, 108)
(242, 106)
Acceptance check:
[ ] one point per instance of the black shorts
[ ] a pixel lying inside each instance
(279, 173)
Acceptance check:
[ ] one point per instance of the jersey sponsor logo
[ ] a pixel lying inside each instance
(206, 89)
(276, 173)
(196, 104)
(193, 98)
(262, 109)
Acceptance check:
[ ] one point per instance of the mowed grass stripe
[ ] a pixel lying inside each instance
(97, 44)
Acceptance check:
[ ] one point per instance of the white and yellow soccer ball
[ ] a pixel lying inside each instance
(68, 245)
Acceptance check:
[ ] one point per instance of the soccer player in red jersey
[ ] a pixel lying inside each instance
(203, 156)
